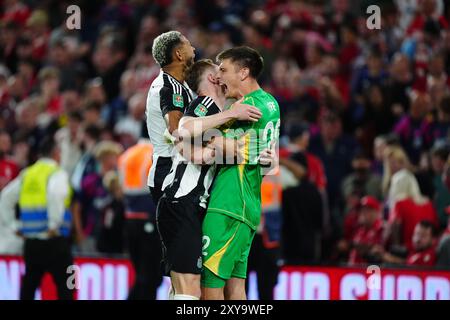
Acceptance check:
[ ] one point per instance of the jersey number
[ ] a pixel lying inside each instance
(206, 240)
(270, 133)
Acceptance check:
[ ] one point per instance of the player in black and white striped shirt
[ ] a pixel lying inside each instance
(167, 99)
(186, 189)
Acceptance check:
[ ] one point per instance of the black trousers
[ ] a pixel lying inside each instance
(145, 253)
(53, 256)
(264, 262)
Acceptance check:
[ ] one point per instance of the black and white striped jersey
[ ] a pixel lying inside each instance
(187, 179)
(165, 94)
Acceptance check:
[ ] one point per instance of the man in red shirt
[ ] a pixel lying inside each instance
(404, 217)
(370, 231)
(423, 253)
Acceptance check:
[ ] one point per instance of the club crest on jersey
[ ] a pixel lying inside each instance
(177, 100)
(201, 110)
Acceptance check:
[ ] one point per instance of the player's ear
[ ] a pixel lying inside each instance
(244, 73)
(211, 78)
(178, 54)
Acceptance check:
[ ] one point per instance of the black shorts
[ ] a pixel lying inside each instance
(179, 223)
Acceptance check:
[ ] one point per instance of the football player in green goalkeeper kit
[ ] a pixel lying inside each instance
(234, 210)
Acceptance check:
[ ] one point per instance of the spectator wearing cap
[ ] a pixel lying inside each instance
(370, 232)
(441, 200)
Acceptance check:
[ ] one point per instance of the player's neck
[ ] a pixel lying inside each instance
(176, 71)
(248, 87)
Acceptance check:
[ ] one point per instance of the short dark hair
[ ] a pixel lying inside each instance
(47, 146)
(163, 46)
(245, 57)
(75, 115)
(93, 132)
(426, 224)
(441, 152)
(195, 72)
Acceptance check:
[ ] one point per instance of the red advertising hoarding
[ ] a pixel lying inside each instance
(110, 279)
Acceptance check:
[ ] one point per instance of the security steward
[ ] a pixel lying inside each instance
(42, 194)
(140, 212)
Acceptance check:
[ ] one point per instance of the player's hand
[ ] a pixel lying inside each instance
(245, 112)
(267, 157)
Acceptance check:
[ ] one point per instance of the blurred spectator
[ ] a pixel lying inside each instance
(15, 10)
(83, 204)
(439, 156)
(133, 126)
(8, 168)
(95, 95)
(440, 129)
(427, 13)
(380, 144)
(370, 232)
(109, 62)
(336, 150)
(39, 33)
(408, 208)
(413, 127)
(299, 141)
(8, 41)
(302, 220)
(49, 86)
(361, 181)
(92, 115)
(27, 113)
(422, 252)
(69, 139)
(394, 160)
(100, 215)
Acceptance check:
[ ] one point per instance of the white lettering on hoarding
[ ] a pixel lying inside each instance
(316, 286)
(353, 285)
(409, 288)
(437, 288)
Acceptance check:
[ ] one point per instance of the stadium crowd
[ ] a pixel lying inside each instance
(365, 129)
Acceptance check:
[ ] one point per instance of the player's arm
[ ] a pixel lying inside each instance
(194, 126)
(171, 109)
(196, 154)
